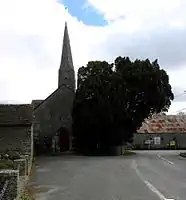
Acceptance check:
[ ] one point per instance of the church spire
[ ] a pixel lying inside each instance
(66, 58)
(66, 70)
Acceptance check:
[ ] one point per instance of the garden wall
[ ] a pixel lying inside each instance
(13, 181)
(9, 180)
(16, 138)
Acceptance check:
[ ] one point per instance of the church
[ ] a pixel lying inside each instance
(53, 115)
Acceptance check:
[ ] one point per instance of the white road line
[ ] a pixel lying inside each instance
(148, 184)
(164, 159)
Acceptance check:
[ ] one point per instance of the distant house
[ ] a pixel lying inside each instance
(160, 130)
(16, 128)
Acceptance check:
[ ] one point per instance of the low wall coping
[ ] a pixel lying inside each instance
(24, 155)
(8, 171)
(20, 159)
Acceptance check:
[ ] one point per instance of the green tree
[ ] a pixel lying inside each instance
(112, 100)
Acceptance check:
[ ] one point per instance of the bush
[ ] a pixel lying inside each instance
(24, 197)
(6, 164)
(129, 153)
(10, 154)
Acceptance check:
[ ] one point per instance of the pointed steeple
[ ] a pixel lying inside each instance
(66, 70)
(66, 58)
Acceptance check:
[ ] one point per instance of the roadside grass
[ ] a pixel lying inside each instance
(24, 197)
(30, 191)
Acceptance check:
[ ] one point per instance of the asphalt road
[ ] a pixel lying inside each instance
(150, 175)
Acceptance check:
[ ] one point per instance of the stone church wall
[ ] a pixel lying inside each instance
(53, 113)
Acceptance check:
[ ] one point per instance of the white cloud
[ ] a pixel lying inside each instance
(149, 28)
(146, 13)
(31, 34)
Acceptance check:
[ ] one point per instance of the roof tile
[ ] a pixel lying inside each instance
(164, 124)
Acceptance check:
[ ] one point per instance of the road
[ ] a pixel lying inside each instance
(154, 175)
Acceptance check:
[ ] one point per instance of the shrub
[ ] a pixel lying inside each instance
(25, 198)
(6, 164)
(10, 154)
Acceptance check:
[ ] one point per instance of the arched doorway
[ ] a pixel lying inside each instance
(63, 139)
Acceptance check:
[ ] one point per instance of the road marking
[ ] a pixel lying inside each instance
(164, 159)
(148, 184)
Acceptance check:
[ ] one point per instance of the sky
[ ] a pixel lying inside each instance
(31, 34)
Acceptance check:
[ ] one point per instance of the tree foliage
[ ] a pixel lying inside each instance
(112, 100)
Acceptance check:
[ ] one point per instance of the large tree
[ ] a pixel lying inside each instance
(112, 100)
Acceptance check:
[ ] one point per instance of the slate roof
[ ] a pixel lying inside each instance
(35, 103)
(17, 114)
(164, 124)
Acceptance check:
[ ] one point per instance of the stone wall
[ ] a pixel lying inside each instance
(30, 159)
(9, 180)
(13, 182)
(17, 138)
(54, 112)
(140, 138)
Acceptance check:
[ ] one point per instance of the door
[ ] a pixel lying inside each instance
(63, 139)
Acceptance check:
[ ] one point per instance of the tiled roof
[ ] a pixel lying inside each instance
(19, 114)
(164, 124)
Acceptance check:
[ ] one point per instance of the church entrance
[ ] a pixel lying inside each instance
(63, 139)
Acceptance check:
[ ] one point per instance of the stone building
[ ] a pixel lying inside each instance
(49, 116)
(16, 132)
(53, 115)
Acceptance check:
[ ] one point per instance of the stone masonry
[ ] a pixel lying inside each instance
(54, 112)
(10, 179)
(16, 138)
(16, 128)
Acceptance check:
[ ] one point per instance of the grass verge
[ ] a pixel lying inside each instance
(29, 191)
(183, 155)
(24, 197)
(129, 153)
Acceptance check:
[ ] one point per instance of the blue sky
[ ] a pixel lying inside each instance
(88, 15)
